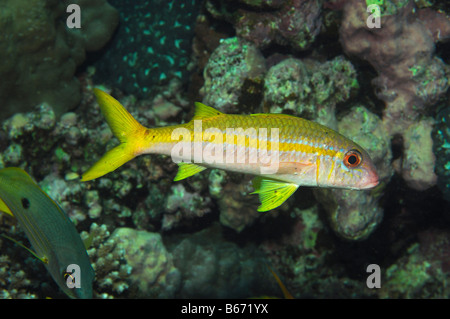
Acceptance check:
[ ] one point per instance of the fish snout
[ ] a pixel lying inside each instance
(371, 180)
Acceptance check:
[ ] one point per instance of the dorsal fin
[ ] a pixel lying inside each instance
(274, 115)
(203, 111)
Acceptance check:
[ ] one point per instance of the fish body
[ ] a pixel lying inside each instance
(283, 151)
(51, 233)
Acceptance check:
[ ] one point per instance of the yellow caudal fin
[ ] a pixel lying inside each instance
(129, 132)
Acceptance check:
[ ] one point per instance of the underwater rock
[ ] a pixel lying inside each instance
(182, 206)
(410, 78)
(98, 22)
(164, 109)
(353, 215)
(151, 47)
(422, 270)
(66, 193)
(417, 166)
(40, 54)
(309, 88)
(238, 209)
(295, 23)
(407, 277)
(234, 67)
(441, 149)
(153, 272)
(212, 267)
(12, 155)
(20, 124)
(301, 253)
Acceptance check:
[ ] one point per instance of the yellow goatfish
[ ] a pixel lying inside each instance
(51, 233)
(283, 151)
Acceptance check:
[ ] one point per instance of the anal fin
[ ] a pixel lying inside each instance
(4, 208)
(186, 170)
(272, 193)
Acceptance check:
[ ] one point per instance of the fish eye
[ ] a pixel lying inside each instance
(352, 158)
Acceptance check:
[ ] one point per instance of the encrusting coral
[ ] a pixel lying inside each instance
(295, 23)
(410, 77)
(39, 54)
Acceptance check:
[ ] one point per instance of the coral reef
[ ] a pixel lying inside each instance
(417, 167)
(233, 69)
(150, 237)
(301, 254)
(108, 260)
(40, 54)
(151, 47)
(410, 77)
(308, 88)
(13, 281)
(295, 23)
(213, 268)
(441, 149)
(153, 274)
(421, 272)
(182, 205)
(237, 207)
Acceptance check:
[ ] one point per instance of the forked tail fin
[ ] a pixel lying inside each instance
(130, 133)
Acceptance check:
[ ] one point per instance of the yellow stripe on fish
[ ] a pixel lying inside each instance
(283, 151)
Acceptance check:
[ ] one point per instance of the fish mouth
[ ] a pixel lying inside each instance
(372, 181)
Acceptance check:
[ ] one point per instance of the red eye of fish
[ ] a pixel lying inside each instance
(352, 159)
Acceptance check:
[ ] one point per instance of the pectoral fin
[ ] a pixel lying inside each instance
(186, 170)
(4, 208)
(272, 193)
